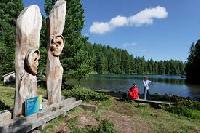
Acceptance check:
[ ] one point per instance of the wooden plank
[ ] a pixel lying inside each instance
(23, 125)
(149, 101)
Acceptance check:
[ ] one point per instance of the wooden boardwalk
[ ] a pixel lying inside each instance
(152, 102)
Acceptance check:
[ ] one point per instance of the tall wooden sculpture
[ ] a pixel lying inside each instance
(28, 25)
(54, 69)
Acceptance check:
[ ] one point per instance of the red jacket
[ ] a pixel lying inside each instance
(133, 93)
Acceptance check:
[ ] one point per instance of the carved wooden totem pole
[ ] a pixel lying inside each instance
(28, 25)
(54, 69)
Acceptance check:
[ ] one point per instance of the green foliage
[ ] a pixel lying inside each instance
(43, 50)
(85, 94)
(186, 108)
(193, 64)
(9, 10)
(183, 111)
(189, 104)
(48, 6)
(104, 127)
(107, 60)
(51, 125)
(6, 97)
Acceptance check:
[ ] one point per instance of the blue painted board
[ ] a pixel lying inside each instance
(31, 106)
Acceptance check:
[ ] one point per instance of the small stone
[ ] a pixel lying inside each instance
(89, 107)
(5, 116)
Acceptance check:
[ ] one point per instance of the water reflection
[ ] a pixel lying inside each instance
(161, 84)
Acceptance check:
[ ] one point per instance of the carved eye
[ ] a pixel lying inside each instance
(51, 49)
(59, 42)
(35, 59)
(52, 41)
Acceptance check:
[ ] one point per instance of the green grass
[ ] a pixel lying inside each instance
(7, 95)
(85, 94)
(155, 120)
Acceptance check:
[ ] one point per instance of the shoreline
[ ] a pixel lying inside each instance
(155, 96)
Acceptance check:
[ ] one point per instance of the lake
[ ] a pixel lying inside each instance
(161, 84)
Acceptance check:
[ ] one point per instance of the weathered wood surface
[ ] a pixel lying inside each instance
(22, 125)
(54, 69)
(155, 102)
(28, 28)
(5, 116)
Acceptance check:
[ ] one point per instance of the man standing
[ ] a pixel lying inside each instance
(146, 83)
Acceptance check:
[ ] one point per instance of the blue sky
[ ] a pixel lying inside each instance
(157, 29)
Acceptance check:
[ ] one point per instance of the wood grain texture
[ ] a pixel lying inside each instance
(54, 69)
(28, 28)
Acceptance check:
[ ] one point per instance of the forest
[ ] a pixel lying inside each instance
(81, 57)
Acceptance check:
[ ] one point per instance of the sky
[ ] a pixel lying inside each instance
(157, 29)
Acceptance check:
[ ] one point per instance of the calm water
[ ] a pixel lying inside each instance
(161, 84)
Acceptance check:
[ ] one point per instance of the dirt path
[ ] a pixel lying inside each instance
(126, 124)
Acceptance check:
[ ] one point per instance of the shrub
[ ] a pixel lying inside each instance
(106, 127)
(189, 104)
(85, 94)
(187, 108)
(183, 111)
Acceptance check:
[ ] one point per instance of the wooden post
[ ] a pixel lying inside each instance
(28, 28)
(54, 69)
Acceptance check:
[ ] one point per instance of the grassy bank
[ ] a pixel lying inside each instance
(7, 95)
(117, 115)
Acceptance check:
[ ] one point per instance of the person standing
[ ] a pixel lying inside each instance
(146, 83)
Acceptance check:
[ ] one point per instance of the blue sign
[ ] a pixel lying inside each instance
(31, 106)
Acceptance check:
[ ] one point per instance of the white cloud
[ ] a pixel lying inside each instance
(144, 17)
(100, 27)
(147, 16)
(118, 21)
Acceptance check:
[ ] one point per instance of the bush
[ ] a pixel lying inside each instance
(105, 127)
(189, 104)
(187, 108)
(85, 94)
(183, 111)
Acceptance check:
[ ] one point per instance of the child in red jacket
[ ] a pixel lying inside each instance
(133, 92)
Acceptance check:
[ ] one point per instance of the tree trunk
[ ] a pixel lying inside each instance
(29, 23)
(54, 69)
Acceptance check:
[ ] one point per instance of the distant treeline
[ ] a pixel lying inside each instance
(104, 60)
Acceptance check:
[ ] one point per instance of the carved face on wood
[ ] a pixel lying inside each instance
(32, 58)
(57, 44)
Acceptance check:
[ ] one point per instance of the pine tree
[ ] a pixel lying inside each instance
(9, 11)
(193, 64)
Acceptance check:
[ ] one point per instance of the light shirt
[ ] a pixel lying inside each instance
(146, 83)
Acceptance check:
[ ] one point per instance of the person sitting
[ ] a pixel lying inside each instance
(133, 92)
